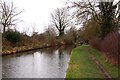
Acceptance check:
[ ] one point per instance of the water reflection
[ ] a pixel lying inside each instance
(44, 63)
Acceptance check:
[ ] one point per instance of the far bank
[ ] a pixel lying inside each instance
(15, 42)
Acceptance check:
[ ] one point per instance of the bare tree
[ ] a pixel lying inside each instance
(60, 19)
(8, 15)
(51, 31)
(73, 33)
(106, 13)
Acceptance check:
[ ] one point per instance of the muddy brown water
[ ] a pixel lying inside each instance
(43, 63)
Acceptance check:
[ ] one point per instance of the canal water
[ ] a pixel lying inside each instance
(44, 63)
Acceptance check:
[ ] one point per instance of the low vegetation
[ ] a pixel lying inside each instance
(12, 36)
(109, 47)
(81, 65)
(14, 41)
(112, 69)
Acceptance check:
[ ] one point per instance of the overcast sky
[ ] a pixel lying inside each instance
(36, 13)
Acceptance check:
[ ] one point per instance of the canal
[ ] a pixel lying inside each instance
(43, 63)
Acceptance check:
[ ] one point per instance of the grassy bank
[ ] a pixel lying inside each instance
(81, 65)
(26, 48)
(12, 44)
(112, 69)
(23, 49)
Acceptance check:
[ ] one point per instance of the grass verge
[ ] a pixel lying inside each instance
(112, 69)
(81, 65)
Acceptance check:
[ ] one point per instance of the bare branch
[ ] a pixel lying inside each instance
(60, 20)
(8, 14)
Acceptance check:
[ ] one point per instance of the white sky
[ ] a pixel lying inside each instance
(36, 13)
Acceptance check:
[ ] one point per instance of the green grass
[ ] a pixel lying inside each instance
(112, 69)
(81, 65)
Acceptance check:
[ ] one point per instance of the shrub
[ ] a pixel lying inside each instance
(6, 45)
(95, 43)
(110, 47)
(12, 36)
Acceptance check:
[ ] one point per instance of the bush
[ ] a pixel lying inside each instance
(110, 47)
(6, 45)
(95, 43)
(12, 36)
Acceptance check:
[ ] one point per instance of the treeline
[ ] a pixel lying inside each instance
(13, 41)
(101, 23)
(55, 35)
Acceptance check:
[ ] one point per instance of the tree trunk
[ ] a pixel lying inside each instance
(61, 33)
(4, 28)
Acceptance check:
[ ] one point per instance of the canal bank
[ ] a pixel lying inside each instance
(82, 64)
(28, 48)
